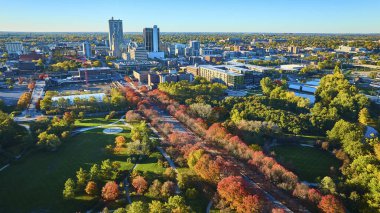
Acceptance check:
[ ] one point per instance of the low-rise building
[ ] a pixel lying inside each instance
(94, 73)
(139, 54)
(222, 74)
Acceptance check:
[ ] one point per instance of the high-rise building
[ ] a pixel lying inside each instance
(195, 47)
(86, 49)
(152, 42)
(152, 39)
(115, 36)
(14, 47)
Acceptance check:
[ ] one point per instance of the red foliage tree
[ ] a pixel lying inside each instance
(277, 210)
(140, 184)
(168, 189)
(250, 204)
(314, 195)
(330, 204)
(301, 191)
(233, 189)
(213, 170)
(132, 116)
(110, 191)
(216, 132)
(144, 89)
(180, 138)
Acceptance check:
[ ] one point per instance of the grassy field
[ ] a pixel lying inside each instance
(150, 166)
(90, 122)
(307, 162)
(35, 183)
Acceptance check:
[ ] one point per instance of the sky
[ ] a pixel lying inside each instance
(270, 16)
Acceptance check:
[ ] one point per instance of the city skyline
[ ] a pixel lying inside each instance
(271, 16)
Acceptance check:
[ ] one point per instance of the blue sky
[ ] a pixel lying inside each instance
(304, 16)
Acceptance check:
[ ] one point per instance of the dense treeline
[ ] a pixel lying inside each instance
(11, 134)
(116, 100)
(198, 91)
(301, 40)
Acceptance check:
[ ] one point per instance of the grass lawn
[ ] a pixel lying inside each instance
(35, 183)
(307, 162)
(90, 122)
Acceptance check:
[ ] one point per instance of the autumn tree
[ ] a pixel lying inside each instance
(155, 188)
(170, 173)
(132, 116)
(120, 141)
(110, 191)
(91, 188)
(24, 100)
(314, 195)
(250, 204)
(233, 189)
(140, 184)
(168, 189)
(330, 204)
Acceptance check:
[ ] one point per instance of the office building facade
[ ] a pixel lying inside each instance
(86, 49)
(195, 47)
(115, 36)
(14, 48)
(152, 39)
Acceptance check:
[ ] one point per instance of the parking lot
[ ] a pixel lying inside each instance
(76, 88)
(11, 96)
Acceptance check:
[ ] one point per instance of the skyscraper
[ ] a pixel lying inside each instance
(152, 42)
(86, 49)
(152, 39)
(115, 36)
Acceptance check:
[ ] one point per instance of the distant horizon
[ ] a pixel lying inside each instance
(272, 16)
(206, 32)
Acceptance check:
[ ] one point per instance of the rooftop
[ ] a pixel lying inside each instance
(222, 69)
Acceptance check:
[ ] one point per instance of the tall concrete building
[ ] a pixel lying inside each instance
(195, 47)
(115, 36)
(152, 39)
(152, 42)
(86, 49)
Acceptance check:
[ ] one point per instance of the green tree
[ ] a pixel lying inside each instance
(137, 207)
(364, 116)
(107, 169)
(48, 141)
(267, 85)
(157, 207)
(81, 178)
(194, 156)
(177, 204)
(69, 190)
(328, 185)
(95, 172)
(155, 188)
